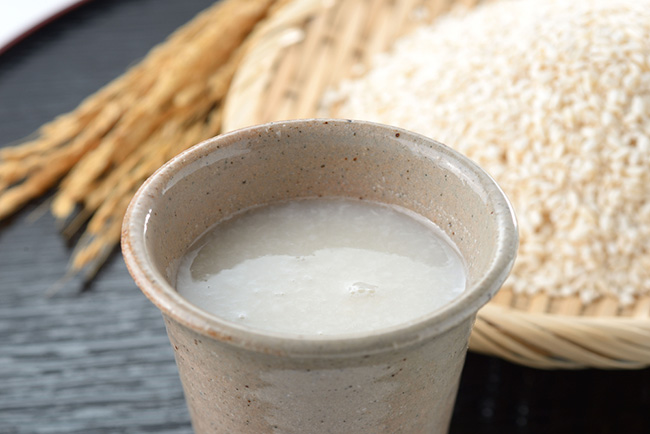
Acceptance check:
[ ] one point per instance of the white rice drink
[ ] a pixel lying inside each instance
(322, 267)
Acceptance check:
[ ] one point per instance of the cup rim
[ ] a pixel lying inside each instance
(156, 287)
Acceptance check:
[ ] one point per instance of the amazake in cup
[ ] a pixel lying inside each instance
(402, 379)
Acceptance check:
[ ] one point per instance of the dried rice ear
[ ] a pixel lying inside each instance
(104, 149)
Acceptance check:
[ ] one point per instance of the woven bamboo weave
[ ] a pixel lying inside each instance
(308, 45)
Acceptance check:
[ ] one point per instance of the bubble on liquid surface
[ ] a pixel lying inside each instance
(362, 288)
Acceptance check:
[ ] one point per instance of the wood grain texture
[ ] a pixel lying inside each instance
(92, 362)
(100, 362)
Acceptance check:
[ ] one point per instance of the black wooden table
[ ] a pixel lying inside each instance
(99, 361)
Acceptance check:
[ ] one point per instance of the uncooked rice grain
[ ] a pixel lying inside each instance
(552, 98)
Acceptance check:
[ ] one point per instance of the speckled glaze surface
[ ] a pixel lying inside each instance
(400, 380)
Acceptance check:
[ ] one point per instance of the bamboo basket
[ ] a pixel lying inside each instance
(308, 45)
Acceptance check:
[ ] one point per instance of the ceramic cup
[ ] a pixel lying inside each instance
(236, 380)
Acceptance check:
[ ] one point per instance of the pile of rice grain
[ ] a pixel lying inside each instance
(553, 99)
